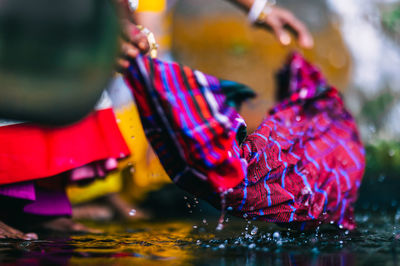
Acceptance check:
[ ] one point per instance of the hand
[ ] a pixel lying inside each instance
(132, 43)
(280, 19)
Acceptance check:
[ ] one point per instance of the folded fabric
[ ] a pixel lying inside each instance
(302, 167)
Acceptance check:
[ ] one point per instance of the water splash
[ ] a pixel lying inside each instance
(132, 212)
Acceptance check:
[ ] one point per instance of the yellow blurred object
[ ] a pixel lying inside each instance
(153, 14)
(152, 5)
(142, 169)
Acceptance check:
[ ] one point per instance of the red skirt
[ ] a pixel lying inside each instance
(30, 152)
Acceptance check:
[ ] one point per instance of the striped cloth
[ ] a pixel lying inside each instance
(302, 166)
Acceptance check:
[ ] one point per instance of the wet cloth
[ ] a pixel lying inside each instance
(303, 165)
(80, 152)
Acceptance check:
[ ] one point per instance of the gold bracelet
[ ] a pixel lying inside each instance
(151, 39)
(266, 11)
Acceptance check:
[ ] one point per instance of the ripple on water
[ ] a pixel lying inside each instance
(181, 243)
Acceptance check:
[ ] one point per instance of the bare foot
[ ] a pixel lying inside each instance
(9, 232)
(67, 225)
(92, 212)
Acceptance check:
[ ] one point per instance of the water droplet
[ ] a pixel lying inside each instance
(204, 221)
(251, 246)
(254, 231)
(132, 212)
(220, 226)
(245, 215)
(230, 208)
(276, 235)
(198, 242)
(195, 226)
(222, 246)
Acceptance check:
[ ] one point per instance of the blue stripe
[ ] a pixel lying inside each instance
(305, 181)
(292, 215)
(324, 193)
(266, 125)
(311, 160)
(279, 147)
(346, 176)
(342, 211)
(263, 137)
(268, 190)
(266, 163)
(282, 136)
(248, 148)
(187, 109)
(284, 174)
(327, 142)
(294, 155)
(313, 145)
(337, 181)
(350, 152)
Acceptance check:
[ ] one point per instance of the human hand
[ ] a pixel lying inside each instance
(132, 43)
(279, 20)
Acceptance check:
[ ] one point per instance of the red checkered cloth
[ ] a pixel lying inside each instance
(302, 167)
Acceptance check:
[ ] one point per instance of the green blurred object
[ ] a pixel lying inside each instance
(391, 19)
(55, 58)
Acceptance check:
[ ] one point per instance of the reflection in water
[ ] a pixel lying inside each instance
(195, 243)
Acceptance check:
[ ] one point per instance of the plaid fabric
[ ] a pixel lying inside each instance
(302, 166)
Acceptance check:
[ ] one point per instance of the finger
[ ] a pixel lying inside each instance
(129, 51)
(305, 38)
(134, 36)
(122, 65)
(140, 41)
(279, 31)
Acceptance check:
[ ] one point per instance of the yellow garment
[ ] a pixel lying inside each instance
(152, 6)
(142, 167)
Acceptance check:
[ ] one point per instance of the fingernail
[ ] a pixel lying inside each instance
(308, 42)
(142, 45)
(285, 39)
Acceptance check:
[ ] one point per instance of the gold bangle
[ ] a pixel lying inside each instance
(266, 11)
(151, 39)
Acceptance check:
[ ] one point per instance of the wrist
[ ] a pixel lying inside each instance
(259, 10)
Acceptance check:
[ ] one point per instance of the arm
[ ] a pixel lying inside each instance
(277, 20)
